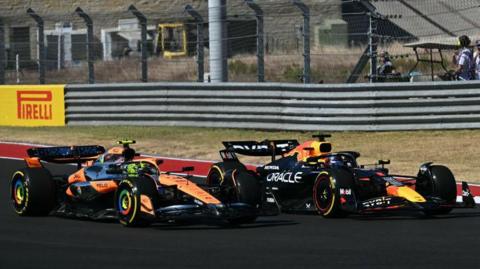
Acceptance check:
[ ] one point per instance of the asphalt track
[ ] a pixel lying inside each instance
(285, 241)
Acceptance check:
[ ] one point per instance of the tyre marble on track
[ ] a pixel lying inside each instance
(285, 241)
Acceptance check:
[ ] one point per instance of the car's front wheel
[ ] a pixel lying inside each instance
(136, 200)
(440, 183)
(326, 195)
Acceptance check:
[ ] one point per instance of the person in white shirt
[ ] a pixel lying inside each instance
(476, 59)
(464, 60)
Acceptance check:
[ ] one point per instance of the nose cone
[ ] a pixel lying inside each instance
(407, 193)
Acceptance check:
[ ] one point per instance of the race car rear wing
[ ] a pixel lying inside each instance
(264, 148)
(73, 154)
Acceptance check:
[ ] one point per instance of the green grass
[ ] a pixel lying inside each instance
(407, 150)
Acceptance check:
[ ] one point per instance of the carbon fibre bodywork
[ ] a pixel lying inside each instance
(92, 191)
(309, 177)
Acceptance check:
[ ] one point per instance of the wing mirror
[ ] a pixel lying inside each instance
(383, 162)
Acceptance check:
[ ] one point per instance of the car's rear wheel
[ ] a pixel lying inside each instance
(246, 190)
(32, 192)
(136, 200)
(215, 175)
(238, 185)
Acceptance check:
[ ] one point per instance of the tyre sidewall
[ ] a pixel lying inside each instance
(39, 192)
(130, 191)
(324, 182)
(438, 182)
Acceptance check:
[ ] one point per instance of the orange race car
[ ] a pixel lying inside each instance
(120, 183)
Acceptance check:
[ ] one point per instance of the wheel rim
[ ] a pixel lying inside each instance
(323, 194)
(19, 191)
(124, 202)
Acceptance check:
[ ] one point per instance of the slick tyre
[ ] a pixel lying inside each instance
(32, 192)
(135, 201)
(238, 185)
(247, 190)
(216, 175)
(221, 175)
(219, 171)
(440, 184)
(326, 196)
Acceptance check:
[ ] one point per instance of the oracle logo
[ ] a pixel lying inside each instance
(34, 105)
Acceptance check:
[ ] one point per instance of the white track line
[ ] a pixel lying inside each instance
(476, 198)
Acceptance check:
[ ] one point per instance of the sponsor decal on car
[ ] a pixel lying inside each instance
(345, 191)
(377, 202)
(252, 147)
(285, 177)
(271, 167)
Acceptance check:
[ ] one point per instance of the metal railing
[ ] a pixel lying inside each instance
(277, 106)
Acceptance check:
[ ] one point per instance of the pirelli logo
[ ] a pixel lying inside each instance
(34, 105)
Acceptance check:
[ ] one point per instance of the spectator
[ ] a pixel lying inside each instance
(464, 60)
(386, 68)
(476, 60)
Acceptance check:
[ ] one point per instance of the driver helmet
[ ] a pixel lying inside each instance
(336, 161)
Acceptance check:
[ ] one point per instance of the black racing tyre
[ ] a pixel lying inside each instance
(216, 175)
(220, 175)
(135, 201)
(32, 192)
(218, 172)
(326, 195)
(247, 187)
(247, 190)
(238, 186)
(441, 184)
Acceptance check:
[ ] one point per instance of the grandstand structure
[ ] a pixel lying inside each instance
(433, 19)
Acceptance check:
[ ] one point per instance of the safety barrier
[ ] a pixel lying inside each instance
(335, 107)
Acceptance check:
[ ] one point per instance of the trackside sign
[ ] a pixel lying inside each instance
(32, 105)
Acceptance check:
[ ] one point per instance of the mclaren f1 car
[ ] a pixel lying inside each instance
(118, 183)
(311, 177)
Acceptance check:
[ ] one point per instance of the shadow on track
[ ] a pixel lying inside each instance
(415, 217)
(213, 225)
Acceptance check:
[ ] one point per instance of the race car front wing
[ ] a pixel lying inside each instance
(391, 203)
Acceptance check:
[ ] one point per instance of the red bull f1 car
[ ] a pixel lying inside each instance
(311, 177)
(119, 183)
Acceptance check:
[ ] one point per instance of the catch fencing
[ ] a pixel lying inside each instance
(278, 106)
(330, 41)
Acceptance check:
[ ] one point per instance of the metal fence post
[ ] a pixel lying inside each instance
(372, 47)
(373, 15)
(260, 40)
(143, 24)
(306, 39)
(90, 47)
(2, 52)
(200, 42)
(41, 44)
